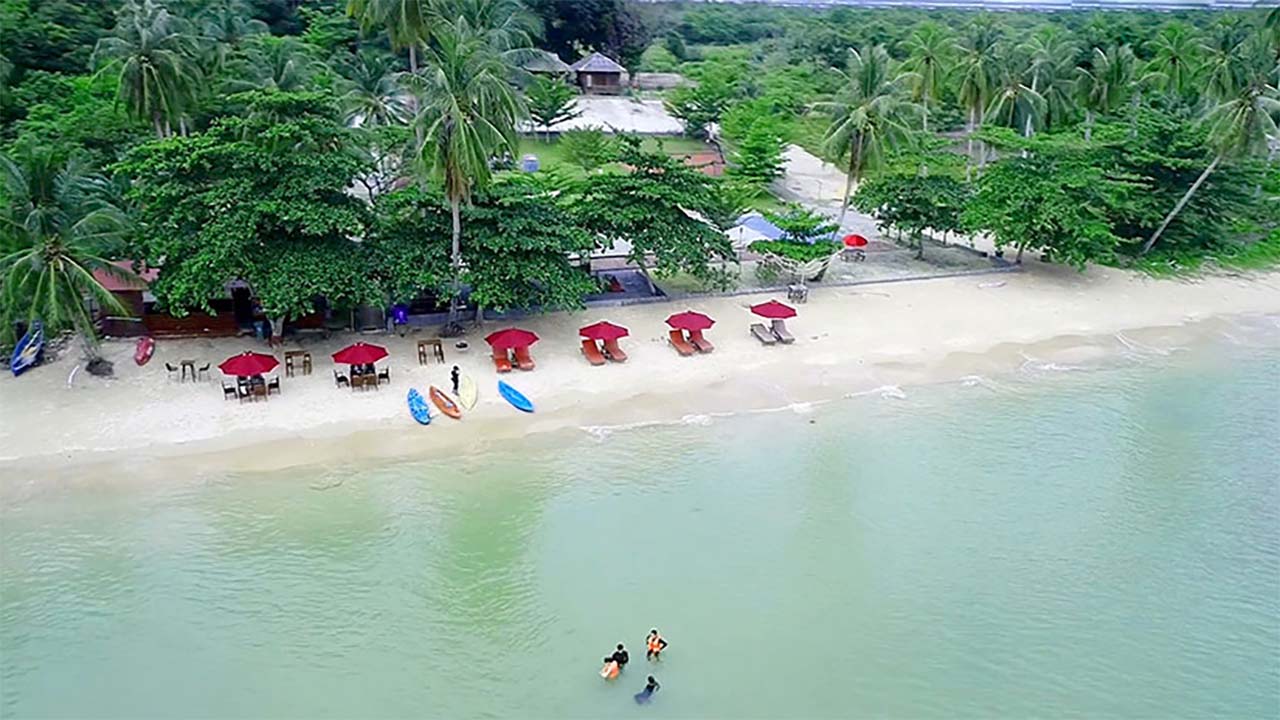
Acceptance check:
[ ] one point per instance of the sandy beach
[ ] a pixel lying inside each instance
(849, 340)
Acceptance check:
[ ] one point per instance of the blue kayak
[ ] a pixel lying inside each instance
(513, 396)
(27, 353)
(418, 407)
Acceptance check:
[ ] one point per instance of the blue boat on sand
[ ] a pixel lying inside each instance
(27, 353)
(513, 396)
(418, 407)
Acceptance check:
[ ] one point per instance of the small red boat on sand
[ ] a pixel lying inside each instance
(442, 401)
(145, 349)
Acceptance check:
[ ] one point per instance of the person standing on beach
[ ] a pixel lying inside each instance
(655, 645)
(454, 377)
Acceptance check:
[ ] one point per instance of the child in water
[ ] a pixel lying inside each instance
(650, 688)
(610, 669)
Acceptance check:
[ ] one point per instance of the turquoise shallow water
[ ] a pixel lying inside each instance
(1083, 544)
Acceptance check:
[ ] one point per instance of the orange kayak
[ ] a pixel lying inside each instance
(442, 401)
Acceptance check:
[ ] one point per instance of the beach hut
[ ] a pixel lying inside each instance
(548, 65)
(508, 343)
(598, 74)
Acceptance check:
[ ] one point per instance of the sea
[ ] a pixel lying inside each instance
(1091, 541)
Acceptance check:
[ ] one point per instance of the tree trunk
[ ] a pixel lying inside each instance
(1088, 126)
(968, 156)
(455, 210)
(1181, 204)
(158, 125)
(855, 167)
(277, 331)
(1018, 258)
(413, 98)
(919, 245)
(924, 167)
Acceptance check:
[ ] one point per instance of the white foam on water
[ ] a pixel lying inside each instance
(887, 392)
(1031, 364)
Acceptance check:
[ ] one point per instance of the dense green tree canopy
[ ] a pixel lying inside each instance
(260, 198)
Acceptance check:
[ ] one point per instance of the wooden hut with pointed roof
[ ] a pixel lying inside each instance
(598, 74)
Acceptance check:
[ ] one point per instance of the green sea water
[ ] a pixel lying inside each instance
(1102, 543)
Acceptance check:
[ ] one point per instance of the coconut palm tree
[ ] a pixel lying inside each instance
(151, 53)
(469, 111)
(1016, 104)
(1050, 72)
(225, 25)
(407, 22)
(1105, 85)
(57, 223)
(869, 115)
(373, 93)
(1175, 62)
(929, 51)
(273, 63)
(1240, 124)
(978, 52)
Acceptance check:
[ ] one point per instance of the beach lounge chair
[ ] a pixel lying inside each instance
(681, 345)
(613, 351)
(701, 343)
(524, 360)
(762, 333)
(780, 329)
(501, 361)
(592, 351)
(339, 379)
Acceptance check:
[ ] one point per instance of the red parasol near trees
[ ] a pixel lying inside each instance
(604, 330)
(359, 354)
(690, 320)
(511, 338)
(248, 364)
(774, 310)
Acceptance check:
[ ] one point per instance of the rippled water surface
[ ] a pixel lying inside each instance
(1095, 544)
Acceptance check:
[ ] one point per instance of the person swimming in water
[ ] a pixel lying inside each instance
(655, 644)
(610, 669)
(621, 656)
(650, 687)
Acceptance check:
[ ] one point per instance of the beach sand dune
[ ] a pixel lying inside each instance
(848, 341)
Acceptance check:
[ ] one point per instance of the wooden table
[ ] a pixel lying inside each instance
(436, 348)
(288, 362)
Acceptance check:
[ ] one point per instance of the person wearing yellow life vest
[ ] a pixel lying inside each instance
(655, 644)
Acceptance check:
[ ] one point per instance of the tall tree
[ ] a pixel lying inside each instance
(551, 101)
(273, 63)
(261, 197)
(1240, 124)
(1014, 103)
(978, 52)
(929, 57)
(150, 52)
(372, 92)
(469, 112)
(1050, 73)
(1175, 62)
(58, 225)
(1105, 84)
(869, 116)
(407, 22)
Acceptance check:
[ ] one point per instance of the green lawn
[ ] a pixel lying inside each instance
(550, 153)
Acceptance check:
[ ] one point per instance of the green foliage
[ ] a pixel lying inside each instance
(914, 203)
(75, 115)
(758, 157)
(651, 205)
(516, 241)
(59, 224)
(260, 198)
(699, 105)
(551, 101)
(1054, 200)
(802, 226)
(588, 148)
(151, 53)
(797, 252)
(53, 35)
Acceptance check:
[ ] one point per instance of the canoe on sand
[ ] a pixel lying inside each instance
(513, 396)
(418, 407)
(442, 401)
(468, 393)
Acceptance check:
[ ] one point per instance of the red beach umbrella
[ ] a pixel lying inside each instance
(248, 363)
(690, 320)
(604, 330)
(359, 354)
(854, 240)
(511, 338)
(774, 310)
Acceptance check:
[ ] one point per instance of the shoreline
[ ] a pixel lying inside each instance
(849, 342)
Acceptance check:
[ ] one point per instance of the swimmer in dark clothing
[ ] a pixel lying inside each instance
(650, 688)
(621, 656)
